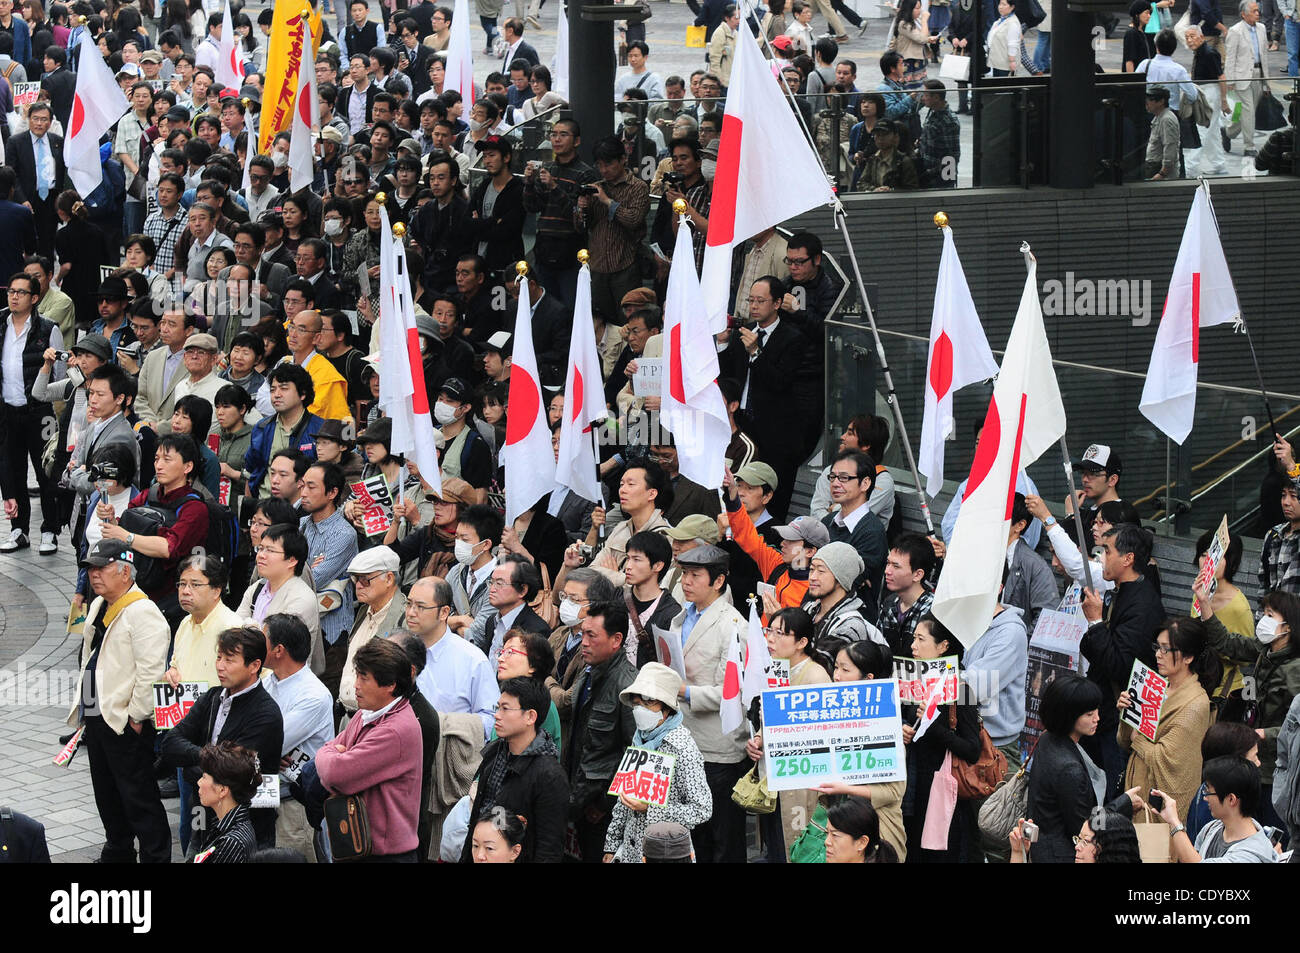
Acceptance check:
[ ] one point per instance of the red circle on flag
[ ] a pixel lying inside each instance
(663, 650)
(304, 108)
(987, 452)
(731, 681)
(525, 403)
(941, 365)
(78, 116)
(577, 396)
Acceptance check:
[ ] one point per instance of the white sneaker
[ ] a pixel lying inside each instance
(17, 540)
(49, 544)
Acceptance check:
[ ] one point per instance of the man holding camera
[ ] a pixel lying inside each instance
(23, 420)
(688, 183)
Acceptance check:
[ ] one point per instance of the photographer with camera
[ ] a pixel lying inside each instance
(613, 212)
(688, 183)
(27, 336)
(112, 474)
(108, 390)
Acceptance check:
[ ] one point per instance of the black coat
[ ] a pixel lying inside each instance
(503, 229)
(254, 722)
(924, 757)
(534, 787)
(525, 51)
(774, 417)
(1124, 634)
(443, 235)
(62, 87)
(22, 839)
(546, 540)
(430, 733)
(528, 620)
(552, 326)
(1061, 797)
(597, 731)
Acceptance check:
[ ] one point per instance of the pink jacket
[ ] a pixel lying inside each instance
(382, 764)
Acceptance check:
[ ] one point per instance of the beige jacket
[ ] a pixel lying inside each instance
(132, 656)
(393, 618)
(295, 597)
(1239, 61)
(722, 52)
(705, 658)
(156, 397)
(910, 41)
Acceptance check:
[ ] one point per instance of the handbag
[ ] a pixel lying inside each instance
(1036, 14)
(1268, 112)
(1153, 840)
(544, 602)
(941, 806)
(955, 66)
(810, 848)
(347, 827)
(695, 37)
(751, 794)
(1007, 804)
(983, 777)
(1201, 112)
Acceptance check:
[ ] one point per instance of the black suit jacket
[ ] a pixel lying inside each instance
(21, 153)
(254, 722)
(552, 327)
(775, 418)
(503, 229)
(528, 620)
(62, 87)
(23, 839)
(326, 295)
(525, 52)
(345, 98)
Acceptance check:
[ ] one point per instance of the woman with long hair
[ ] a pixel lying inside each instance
(297, 222)
(912, 39)
(81, 248)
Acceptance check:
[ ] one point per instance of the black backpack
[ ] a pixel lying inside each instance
(148, 520)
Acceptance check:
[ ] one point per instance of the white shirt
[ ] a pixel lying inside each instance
(223, 709)
(479, 576)
(504, 624)
(357, 108)
(15, 389)
(368, 716)
(850, 522)
(95, 526)
(458, 678)
(307, 710)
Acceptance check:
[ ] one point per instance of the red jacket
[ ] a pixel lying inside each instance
(382, 763)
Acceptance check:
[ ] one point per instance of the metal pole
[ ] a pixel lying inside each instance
(1078, 518)
(891, 396)
(1169, 490)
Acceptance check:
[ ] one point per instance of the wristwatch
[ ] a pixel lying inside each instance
(1175, 831)
(130, 540)
(1049, 522)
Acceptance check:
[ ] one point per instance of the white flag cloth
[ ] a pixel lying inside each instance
(230, 69)
(692, 408)
(1025, 418)
(97, 104)
(767, 171)
(731, 710)
(402, 394)
(1200, 296)
(668, 649)
(306, 117)
(758, 660)
(584, 400)
(560, 62)
(930, 713)
(460, 56)
(527, 456)
(959, 355)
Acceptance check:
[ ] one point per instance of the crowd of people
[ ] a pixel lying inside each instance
(187, 369)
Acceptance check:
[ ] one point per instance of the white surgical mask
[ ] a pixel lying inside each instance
(569, 612)
(1266, 629)
(464, 552)
(646, 720)
(333, 227)
(444, 413)
(476, 126)
(279, 160)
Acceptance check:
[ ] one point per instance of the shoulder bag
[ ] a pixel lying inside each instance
(348, 828)
(981, 778)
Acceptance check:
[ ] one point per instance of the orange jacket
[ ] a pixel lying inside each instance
(792, 584)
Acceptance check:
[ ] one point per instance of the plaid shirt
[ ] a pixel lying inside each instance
(897, 629)
(1279, 563)
(164, 233)
(940, 143)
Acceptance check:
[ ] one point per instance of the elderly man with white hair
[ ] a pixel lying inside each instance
(1246, 70)
(1207, 71)
(123, 652)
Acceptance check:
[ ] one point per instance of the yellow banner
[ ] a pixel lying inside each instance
(283, 57)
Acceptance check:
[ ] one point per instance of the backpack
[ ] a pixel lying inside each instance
(149, 520)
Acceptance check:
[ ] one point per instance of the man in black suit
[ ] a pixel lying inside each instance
(60, 82)
(238, 710)
(310, 260)
(517, 48)
(22, 839)
(763, 359)
(362, 85)
(552, 326)
(37, 157)
(513, 584)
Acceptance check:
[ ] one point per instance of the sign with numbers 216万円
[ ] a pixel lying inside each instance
(846, 731)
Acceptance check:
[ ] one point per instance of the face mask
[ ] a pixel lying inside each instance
(444, 413)
(476, 126)
(646, 720)
(333, 227)
(464, 552)
(279, 160)
(1266, 629)
(569, 612)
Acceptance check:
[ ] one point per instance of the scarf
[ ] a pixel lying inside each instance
(656, 736)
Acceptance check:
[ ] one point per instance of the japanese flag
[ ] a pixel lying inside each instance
(732, 709)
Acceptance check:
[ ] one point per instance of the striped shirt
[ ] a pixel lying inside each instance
(615, 232)
(231, 840)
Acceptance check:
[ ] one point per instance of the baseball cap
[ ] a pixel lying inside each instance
(109, 551)
(807, 528)
(456, 389)
(782, 43)
(205, 341)
(151, 56)
(757, 473)
(500, 341)
(1099, 457)
(130, 69)
(331, 134)
(695, 526)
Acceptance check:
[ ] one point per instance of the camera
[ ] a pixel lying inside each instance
(587, 190)
(131, 350)
(674, 180)
(586, 552)
(1030, 832)
(1156, 801)
(103, 471)
(64, 356)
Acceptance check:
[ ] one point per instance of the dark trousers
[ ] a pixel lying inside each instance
(126, 794)
(721, 839)
(336, 656)
(591, 836)
(47, 222)
(561, 282)
(24, 431)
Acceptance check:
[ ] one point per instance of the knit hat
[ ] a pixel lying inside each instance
(843, 561)
(666, 841)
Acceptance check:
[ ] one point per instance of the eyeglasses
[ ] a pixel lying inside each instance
(257, 521)
(359, 580)
(421, 607)
(505, 652)
(1162, 649)
(271, 552)
(796, 261)
(1090, 841)
(194, 585)
(507, 707)
(842, 477)
(499, 583)
(19, 291)
(770, 630)
(245, 245)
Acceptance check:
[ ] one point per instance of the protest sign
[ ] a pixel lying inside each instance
(1218, 546)
(1147, 688)
(296, 758)
(1053, 651)
(268, 792)
(668, 648)
(644, 775)
(170, 705)
(849, 731)
(25, 94)
(778, 676)
(917, 676)
(646, 382)
(376, 504)
(223, 491)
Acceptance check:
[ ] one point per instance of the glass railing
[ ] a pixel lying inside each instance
(1219, 470)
